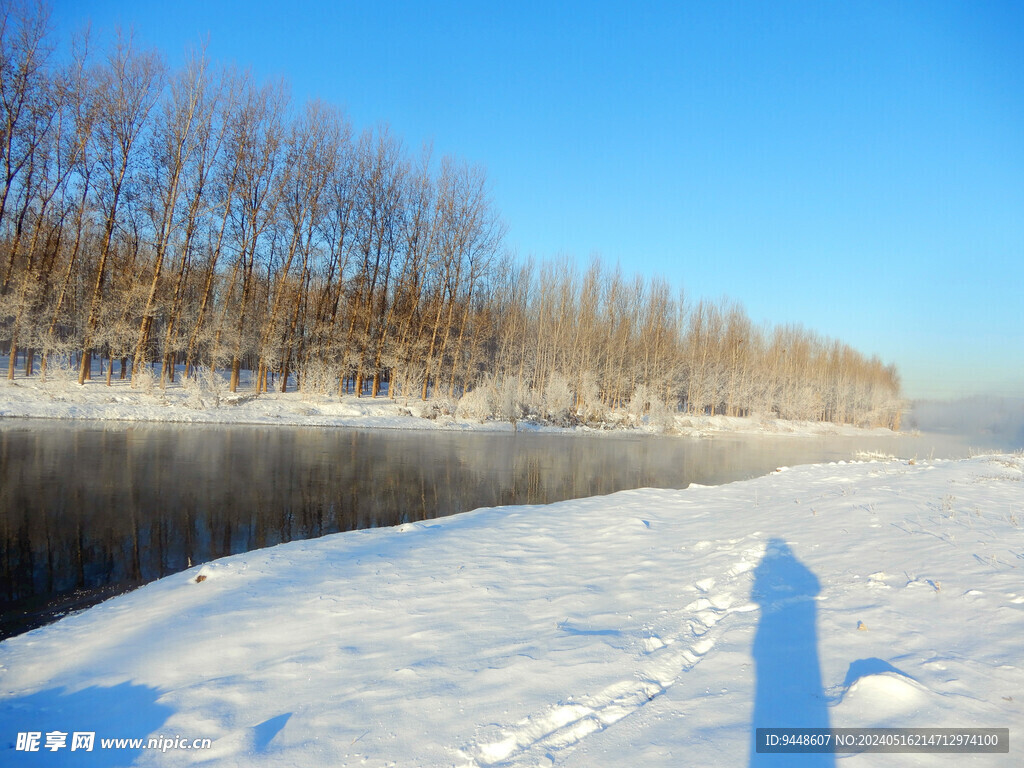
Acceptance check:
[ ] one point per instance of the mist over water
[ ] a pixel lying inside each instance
(983, 423)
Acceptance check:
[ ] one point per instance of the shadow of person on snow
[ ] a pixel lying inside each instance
(789, 692)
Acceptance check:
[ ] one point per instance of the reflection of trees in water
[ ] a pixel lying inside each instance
(85, 507)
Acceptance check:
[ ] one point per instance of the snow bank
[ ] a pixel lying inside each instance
(61, 398)
(648, 627)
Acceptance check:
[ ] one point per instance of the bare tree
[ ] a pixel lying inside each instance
(179, 132)
(310, 155)
(334, 229)
(25, 105)
(78, 99)
(378, 204)
(128, 86)
(255, 144)
(198, 204)
(418, 236)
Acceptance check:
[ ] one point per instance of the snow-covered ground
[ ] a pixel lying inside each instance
(645, 628)
(61, 397)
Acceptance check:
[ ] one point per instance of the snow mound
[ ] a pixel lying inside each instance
(885, 697)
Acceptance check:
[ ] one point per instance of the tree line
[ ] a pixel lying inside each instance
(164, 220)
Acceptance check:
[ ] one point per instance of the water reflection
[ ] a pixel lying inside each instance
(87, 510)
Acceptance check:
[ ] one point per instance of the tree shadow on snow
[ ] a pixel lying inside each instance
(121, 711)
(789, 691)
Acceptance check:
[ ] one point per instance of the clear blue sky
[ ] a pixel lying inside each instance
(854, 167)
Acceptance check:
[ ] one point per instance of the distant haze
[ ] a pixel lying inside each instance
(990, 422)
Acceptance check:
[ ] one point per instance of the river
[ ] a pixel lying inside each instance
(88, 510)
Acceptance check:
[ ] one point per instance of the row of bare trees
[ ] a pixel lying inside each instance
(616, 343)
(197, 217)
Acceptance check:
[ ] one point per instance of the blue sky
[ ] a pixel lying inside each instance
(854, 167)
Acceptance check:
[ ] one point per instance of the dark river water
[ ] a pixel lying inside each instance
(88, 510)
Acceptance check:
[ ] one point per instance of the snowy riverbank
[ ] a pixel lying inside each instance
(63, 398)
(648, 627)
